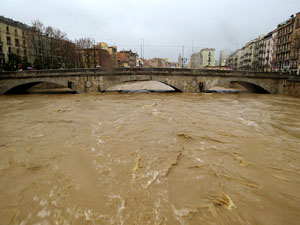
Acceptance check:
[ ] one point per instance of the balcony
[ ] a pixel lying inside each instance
(280, 51)
(294, 57)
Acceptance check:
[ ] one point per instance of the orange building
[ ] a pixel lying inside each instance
(128, 59)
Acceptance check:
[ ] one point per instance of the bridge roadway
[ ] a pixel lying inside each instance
(185, 80)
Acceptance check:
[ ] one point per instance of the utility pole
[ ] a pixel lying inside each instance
(143, 49)
(192, 47)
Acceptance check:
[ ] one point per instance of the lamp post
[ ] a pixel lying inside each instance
(183, 60)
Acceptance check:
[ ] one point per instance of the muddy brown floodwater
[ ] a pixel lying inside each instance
(172, 158)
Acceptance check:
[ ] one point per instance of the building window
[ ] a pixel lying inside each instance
(9, 50)
(7, 29)
(8, 40)
(16, 32)
(18, 51)
(24, 42)
(17, 42)
(1, 50)
(25, 52)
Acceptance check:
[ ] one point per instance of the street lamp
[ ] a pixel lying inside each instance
(183, 61)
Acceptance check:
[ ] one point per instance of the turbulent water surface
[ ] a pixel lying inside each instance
(172, 158)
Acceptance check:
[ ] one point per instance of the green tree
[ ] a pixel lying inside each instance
(14, 61)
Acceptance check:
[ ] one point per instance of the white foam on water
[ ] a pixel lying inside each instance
(88, 215)
(154, 175)
(44, 213)
(181, 213)
(120, 208)
(43, 202)
(99, 141)
(248, 122)
(199, 160)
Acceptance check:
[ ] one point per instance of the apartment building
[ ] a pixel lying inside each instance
(268, 51)
(112, 50)
(235, 59)
(295, 46)
(283, 44)
(258, 53)
(92, 58)
(128, 59)
(247, 58)
(202, 59)
(207, 57)
(14, 41)
(195, 61)
(157, 63)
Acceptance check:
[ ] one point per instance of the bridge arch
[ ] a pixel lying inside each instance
(170, 85)
(138, 83)
(109, 83)
(20, 86)
(252, 87)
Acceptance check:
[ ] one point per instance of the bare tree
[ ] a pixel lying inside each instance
(86, 42)
(51, 47)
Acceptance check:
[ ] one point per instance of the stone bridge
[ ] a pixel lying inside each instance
(185, 80)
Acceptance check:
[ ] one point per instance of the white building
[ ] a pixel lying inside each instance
(202, 59)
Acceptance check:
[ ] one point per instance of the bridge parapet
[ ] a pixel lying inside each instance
(139, 71)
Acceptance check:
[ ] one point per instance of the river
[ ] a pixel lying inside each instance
(149, 158)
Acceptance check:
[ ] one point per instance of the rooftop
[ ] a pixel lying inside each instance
(14, 23)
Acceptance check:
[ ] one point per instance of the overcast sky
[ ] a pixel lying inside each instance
(165, 25)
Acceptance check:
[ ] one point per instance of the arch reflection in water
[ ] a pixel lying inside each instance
(40, 87)
(253, 88)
